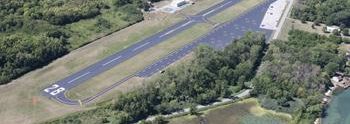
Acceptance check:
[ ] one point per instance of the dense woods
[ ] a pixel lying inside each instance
(35, 32)
(295, 73)
(331, 12)
(210, 75)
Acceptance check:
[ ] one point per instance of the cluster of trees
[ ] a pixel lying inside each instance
(331, 12)
(210, 75)
(35, 32)
(143, 4)
(295, 73)
(20, 53)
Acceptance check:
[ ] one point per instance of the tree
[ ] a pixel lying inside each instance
(193, 110)
(346, 32)
(159, 120)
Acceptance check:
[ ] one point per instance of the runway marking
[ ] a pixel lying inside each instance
(141, 46)
(111, 61)
(78, 77)
(171, 31)
(205, 14)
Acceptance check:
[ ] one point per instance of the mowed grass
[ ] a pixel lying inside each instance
(290, 24)
(235, 10)
(199, 5)
(244, 112)
(138, 62)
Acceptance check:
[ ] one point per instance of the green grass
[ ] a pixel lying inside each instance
(243, 112)
(234, 11)
(290, 24)
(85, 31)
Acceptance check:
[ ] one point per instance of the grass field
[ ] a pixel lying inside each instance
(21, 101)
(138, 62)
(244, 112)
(290, 24)
(234, 11)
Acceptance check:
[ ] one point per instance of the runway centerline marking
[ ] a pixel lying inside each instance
(78, 77)
(171, 31)
(111, 61)
(141, 46)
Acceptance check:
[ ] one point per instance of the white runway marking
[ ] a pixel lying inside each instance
(111, 61)
(171, 31)
(141, 46)
(78, 77)
(205, 14)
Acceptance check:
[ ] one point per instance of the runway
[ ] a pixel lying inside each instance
(219, 37)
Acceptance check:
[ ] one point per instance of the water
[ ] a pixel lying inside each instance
(339, 109)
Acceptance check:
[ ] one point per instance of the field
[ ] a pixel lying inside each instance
(21, 101)
(244, 112)
(290, 24)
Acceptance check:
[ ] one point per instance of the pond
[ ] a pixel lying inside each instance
(338, 111)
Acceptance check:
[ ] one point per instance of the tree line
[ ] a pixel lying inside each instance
(295, 73)
(331, 12)
(35, 32)
(212, 74)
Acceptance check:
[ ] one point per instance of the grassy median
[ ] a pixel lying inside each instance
(235, 10)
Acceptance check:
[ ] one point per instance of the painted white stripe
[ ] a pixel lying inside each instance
(205, 14)
(171, 31)
(111, 61)
(78, 77)
(141, 46)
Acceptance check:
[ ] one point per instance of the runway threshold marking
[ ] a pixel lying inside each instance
(78, 77)
(171, 31)
(111, 61)
(205, 14)
(141, 46)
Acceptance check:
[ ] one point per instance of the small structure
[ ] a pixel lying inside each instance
(317, 121)
(326, 100)
(341, 81)
(332, 29)
(176, 5)
(328, 93)
(179, 3)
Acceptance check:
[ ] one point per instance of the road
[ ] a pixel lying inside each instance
(219, 37)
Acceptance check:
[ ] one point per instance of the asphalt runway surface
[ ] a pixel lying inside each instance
(219, 37)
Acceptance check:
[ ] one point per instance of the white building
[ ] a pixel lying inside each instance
(179, 3)
(176, 5)
(332, 28)
(273, 15)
